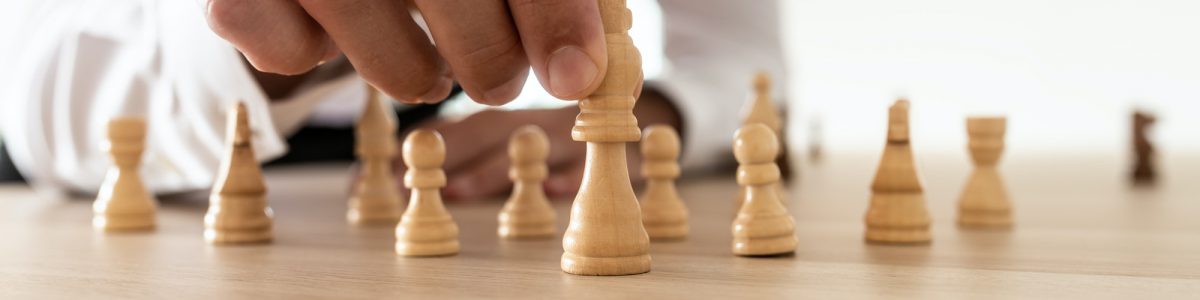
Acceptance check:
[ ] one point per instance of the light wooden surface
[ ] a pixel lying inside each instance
(1080, 232)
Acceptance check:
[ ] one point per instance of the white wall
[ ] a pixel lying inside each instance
(1066, 72)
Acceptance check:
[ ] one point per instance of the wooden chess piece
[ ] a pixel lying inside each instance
(605, 235)
(984, 202)
(897, 213)
(762, 110)
(426, 229)
(1143, 167)
(527, 213)
(237, 209)
(663, 213)
(376, 199)
(763, 225)
(123, 202)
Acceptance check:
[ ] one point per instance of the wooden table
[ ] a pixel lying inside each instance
(1081, 231)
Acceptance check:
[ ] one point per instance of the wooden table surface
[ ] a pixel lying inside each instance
(1081, 231)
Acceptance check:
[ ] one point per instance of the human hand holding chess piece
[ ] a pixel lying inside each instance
(477, 161)
(486, 46)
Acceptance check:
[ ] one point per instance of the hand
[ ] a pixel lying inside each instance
(487, 46)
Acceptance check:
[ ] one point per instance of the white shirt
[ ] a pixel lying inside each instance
(72, 65)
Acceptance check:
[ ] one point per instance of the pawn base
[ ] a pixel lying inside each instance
(765, 246)
(373, 217)
(137, 222)
(985, 219)
(913, 236)
(605, 266)
(250, 236)
(526, 231)
(443, 248)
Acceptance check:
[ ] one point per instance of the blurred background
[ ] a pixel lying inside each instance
(1067, 73)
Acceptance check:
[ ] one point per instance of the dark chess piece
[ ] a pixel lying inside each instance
(1143, 150)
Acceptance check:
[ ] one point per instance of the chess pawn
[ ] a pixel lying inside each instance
(897, 212)
(426, 229)
(123, 202)
(528, 213)
(376, 199)
(762, 110)
(237, 210)
(1143, 168)
(605, 235)
(663, 213)
(984, 201)
(763, 225)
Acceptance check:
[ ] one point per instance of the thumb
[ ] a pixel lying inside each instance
(564, 40)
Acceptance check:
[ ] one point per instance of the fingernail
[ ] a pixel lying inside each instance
(505, 92)
(571, 71)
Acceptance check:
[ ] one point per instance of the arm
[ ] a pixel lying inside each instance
(713, 49)
(89, 62)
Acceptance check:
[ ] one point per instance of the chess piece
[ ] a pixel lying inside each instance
(376, 199)
(426, 229)
(1143, 167)
(984, 202)
(527, 213)
(762, 110)
(763, 225)
(605, 235)
(123, 202)
(897, 213)
(237, 208)
(663, 214)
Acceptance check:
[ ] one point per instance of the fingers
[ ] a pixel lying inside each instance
(386, 47)
(564, 40)
(479, 41)
(487, 179)
(275, 36)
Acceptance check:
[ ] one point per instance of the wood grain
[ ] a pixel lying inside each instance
(1081, 232)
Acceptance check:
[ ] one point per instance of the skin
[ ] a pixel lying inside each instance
(487, 47)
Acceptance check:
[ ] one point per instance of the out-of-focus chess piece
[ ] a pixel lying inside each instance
(123, 203)
(897, 214)
(763, 225)
(984, 202)
(376, 198)
(527, 214)
(1143, 149)
(237, 209)
(426, 228)
(663, 212)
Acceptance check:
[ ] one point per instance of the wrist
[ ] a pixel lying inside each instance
(654, 107)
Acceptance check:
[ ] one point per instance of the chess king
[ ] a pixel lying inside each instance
(606, 235)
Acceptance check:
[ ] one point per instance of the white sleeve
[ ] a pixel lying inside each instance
(713, 48)
(88, 61)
